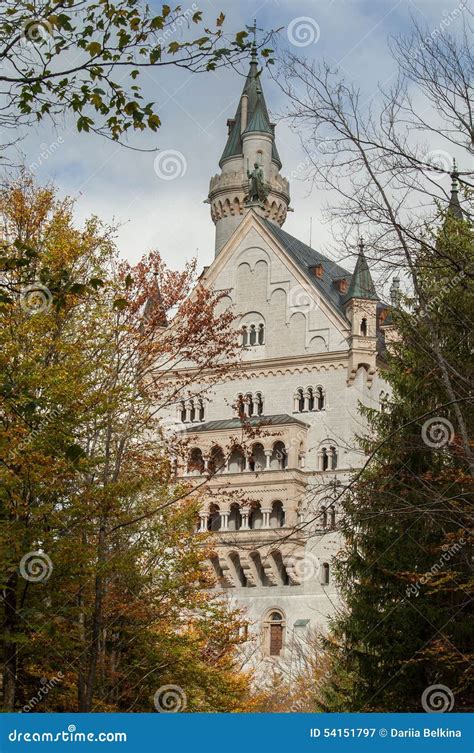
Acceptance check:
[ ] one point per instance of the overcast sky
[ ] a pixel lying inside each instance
(122, 186)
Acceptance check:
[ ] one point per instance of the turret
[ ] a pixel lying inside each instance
(250, 142)
(360, 305)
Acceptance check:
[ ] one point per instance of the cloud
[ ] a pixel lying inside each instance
(121, 184)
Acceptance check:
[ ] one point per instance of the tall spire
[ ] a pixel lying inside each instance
(361, 285)
(454, 207)
(250, 147)
(255, 101)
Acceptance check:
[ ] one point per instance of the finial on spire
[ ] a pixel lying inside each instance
(361, 244)
(253, 30)
(454, 207)
(395, 292)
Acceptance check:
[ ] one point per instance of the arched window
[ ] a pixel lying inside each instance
(279, 457)
(363, 327)
(300, 401)
(319, 398)
(253, 335)
(250, 405)
(324, 517)
(201, 410)
(274, 633)
(183, 412)
(245, 336)
(235, 517)
(261, 333)
(325, 574)
(192, 411)
(333, 454)
(216, 461)
(256, 517)
(196, 462)
(240, 405)
(310, 398)
(325, 460)
(259, 403)
(333, 516)
(277, 515)
(214, 519)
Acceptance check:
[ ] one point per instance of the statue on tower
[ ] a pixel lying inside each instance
(258, 190)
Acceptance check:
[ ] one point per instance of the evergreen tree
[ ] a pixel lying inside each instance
(405, 570)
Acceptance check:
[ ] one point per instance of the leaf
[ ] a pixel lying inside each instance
(94, 48)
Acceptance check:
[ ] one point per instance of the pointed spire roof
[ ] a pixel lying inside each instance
(361, 285)
(257, 114)
(454, 207)
(259, 120)
(154, 306)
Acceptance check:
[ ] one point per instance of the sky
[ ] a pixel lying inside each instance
(127, 187)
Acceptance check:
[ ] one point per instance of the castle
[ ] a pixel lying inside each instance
(312, 335)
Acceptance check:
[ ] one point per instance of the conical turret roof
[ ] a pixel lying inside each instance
(257, 116)
(361, 285)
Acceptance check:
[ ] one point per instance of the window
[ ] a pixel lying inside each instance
(311, 399)
(249, 404)
(253, 331)
(191, 411)
(201, 410)
(333, 516)
(363, 327)
(324, 517)
(320, 398)
(327, 458)
(325, 574)
(274, 633)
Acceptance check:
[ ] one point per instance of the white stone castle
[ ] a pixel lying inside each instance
(277, 437)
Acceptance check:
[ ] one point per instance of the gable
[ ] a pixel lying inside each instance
(270, 284)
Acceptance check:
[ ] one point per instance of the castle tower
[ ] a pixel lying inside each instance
(360, 305)
(250, 142)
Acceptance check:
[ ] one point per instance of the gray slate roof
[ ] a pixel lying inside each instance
(307, 258)
(280, 419)
(253, 90)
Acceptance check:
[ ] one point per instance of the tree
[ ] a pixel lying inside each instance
(87, 58)
(378, 158)
(405, 570)
(99, 553)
